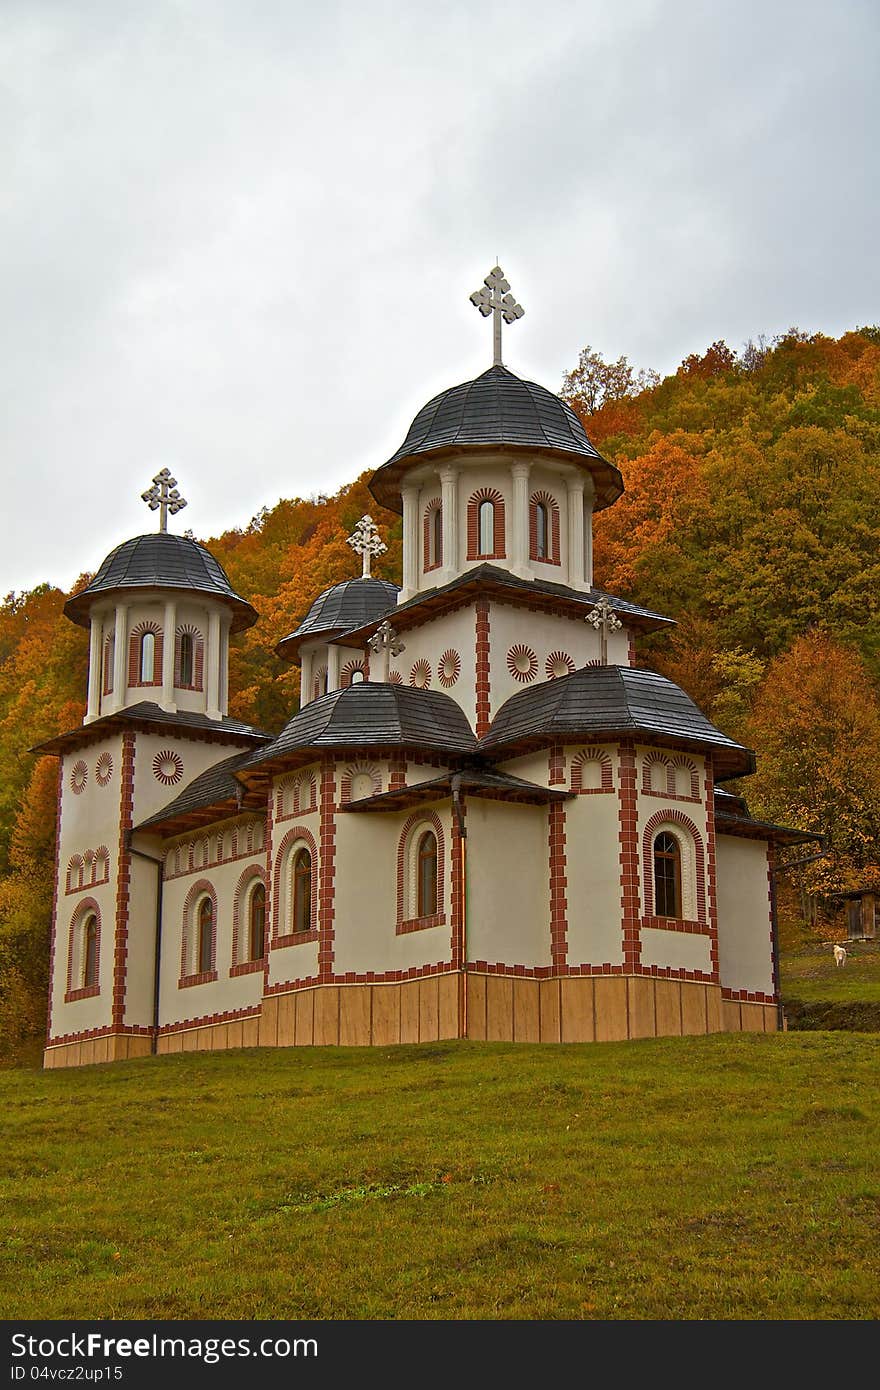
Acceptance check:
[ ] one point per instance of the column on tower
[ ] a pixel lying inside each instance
(519, 538)
(410, 497)
(120, 656)
(449, 504)
(169, 642)
(576, 557)
(214, 665)
(332, 667)
(95, 650)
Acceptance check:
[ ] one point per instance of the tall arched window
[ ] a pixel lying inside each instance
(426, 875)
(302, 891)
(90, 952)
(357, 676)
(148, 657)
(109, 662)
(667, 875)
(205, 921)
(541, 530)
(187, 658)
(487, 527)
(257, 921)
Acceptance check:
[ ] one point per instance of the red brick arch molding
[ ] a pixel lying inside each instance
(553, 545)
(498, 552)
(431, 821)
(201, 889)
(300, 834)
(75, 990)
(252, 874)
(673, 817)
(134, 653)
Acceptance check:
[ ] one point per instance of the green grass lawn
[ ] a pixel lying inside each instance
(732, 1176)
(811, 975)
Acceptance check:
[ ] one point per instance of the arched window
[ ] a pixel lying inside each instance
(541, 530)
(109, 661)
(302, 891)
(319, 683)
(433, 519)
(667, 875)
(426, 875)
(357, 676)
(147, 664)
(205, 943)
(90, 952)
(487, 527)
(257, 921)
(187, 659)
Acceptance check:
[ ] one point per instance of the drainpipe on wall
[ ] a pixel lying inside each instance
(160, 879)
(458, 808)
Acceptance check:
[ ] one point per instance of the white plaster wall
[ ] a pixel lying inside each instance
(647, 806)
(543, 633)
(226, 992)
(676, 950)
(452, 631)
(508, 874)
(366, 897)
(150, 794)
(744, 950)
(88, 821)
(592, 853)
(532, 767)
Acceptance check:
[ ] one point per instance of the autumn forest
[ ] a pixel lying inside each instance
(751, 516)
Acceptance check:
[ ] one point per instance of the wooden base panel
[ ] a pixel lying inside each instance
(496, 1008)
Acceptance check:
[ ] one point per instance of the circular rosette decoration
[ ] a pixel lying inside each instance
(558, 664)
(395, 678)
(168, 767)
(420, 675)
(79, 776)
(522, 663)
(449, 668)
(104, 769)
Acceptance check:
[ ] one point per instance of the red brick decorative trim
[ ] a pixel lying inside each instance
(711, 881)
(674, 817)
(395, 678)
(458, 945)
(319, 682)
(168, 767)
(405, 876)
(420, 675)
(123, 879)
(88, 870)
(522, 662)
(188, 942)
(134, 654)
(435, 505)
(104, 769)
(109, 657)
(282, 900)
(553, 550)
(498, 552)
(606, 775)
(481, 645)
(89, 1034)
(629, 858)
(197, 682)
(186, 1025)
(668, 776)
(449, 668)
(748, 996)
(76, 958)
(296, 795)
(53, 937)
(558, 664)
(558, 885)
(556, 765)
(79, 776)
(359, 770)
(327, 891)
(348, 670)
(632, 646)
(246, 838)
(252, 874)
(771, 905)
(676, 924)
(398, 776)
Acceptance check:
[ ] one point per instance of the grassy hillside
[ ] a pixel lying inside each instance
(811, 975)
(723, 1177)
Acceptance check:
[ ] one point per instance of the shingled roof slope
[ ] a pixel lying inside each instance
(161, 560)
(216, 787)
(611, 700)
(497, 407)
(351, 604)
(148, 714)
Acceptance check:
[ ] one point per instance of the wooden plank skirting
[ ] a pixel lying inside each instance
(500, 1008)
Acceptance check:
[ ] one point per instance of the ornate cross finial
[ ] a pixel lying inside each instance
(386, 641)
(604, 620)
(366, 541)
(164, 496)
(496, 299)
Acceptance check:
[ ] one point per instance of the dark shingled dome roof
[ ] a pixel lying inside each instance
(497, 408)
(346, 606)
(612, 700)
(161, 560)
(373, 715)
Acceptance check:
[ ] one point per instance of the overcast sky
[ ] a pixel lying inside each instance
(239, 238)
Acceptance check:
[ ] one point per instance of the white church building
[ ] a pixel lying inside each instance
(484, 821)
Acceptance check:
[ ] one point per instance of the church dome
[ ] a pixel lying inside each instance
(497, 408)
(161, 560)
(351, 604)
(604, 700)
(373, 715)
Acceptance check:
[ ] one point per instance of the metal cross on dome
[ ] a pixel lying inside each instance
(495, 298)
(164, 497)
(604, 620)
(386, 642)
(366, 542)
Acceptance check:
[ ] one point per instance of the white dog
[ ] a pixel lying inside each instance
(840, 955)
